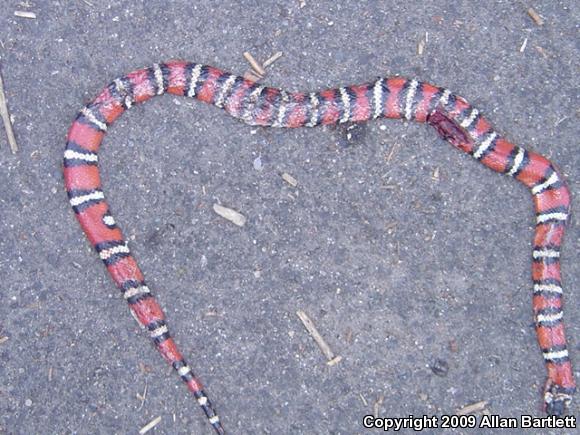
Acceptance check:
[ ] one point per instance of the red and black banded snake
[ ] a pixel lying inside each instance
(454, 119)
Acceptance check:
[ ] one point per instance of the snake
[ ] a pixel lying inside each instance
(453, 118)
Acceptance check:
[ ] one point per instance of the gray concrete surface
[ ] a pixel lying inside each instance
(392, 263)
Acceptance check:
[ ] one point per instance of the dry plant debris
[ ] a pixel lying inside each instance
(25, 14)
(149, 426)
(6, 119)
(332, 359)
(272, 59)
(473, 408)
(289, 179)
(258, 70)
(422, 44)
(229, 214)
(536, 17)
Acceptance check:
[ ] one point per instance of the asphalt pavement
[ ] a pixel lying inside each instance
(412, 260)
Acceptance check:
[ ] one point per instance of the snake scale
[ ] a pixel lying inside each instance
(454, 119)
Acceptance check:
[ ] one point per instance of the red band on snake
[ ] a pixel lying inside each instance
(454, 119)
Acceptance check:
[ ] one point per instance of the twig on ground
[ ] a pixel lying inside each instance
(25, 14)
(289, 179)
(229, 214)
(377, 406)
(142, 397)
(332, 359)
(272, 59)
(473, 408)
(422, 44)
(249, 75)
(363, 400)
(391, 153)
(149, 426)
(259, 69)
(6, 118)
(535, 16)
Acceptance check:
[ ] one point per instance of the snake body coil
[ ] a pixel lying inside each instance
(453, 118)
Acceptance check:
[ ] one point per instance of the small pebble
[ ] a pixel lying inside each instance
(28, 403)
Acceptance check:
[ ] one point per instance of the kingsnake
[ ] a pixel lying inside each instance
(454, 119)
